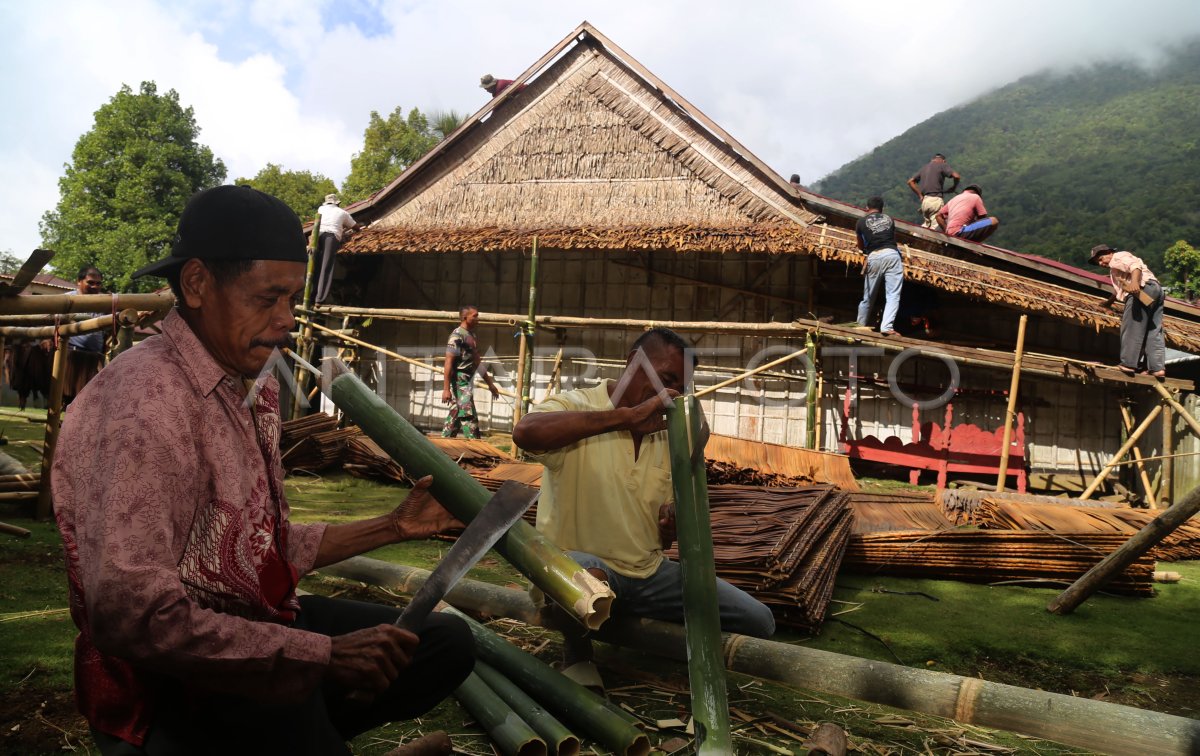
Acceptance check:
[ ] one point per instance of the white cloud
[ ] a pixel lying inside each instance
(806, 86)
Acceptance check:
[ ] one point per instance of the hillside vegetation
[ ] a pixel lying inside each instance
(1105, 154)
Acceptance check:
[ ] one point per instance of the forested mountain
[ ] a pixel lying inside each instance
(1105, 154)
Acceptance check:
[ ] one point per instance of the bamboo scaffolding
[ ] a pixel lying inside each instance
(1128, 553)
(84, 303)
(45, 503)
(1175, 405)
(559, 576)
(686, 433)
(1082, 722)
(1011, 413)
(1168, 455)
(755, 371)
(127, 317)
(300, 375)
(1129, 443)
(1127, 421)
(511, 734)
(559, 739)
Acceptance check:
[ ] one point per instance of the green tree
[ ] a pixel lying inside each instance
(303, 191)
(1183, 262)
(443, 122)
(128, 180)
(9, 262)
(389, 146)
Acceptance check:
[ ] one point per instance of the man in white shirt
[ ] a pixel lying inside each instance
(335, 222)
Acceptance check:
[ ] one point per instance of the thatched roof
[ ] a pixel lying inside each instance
(597, 153)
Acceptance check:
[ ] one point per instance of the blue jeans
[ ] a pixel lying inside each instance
(660, 597)
(887, 266)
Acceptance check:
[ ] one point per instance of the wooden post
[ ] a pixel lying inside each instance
(1011, 413)
(1127, 418)
(517, 405)
(1139, 543)
(306, 338)
(1168, 450)
(1129, 442)
(527, 366)
(45, 505)
(810, 390)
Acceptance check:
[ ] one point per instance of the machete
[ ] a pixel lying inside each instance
(504, 508)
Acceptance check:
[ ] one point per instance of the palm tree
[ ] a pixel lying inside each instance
(442, 122)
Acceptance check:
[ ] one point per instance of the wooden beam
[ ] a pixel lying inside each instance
(1010, 414)
(45, 503)
(743, 376)
(1129, 443)
(86, 303)
(29, 271)
(1175, 405)
(1127, 420)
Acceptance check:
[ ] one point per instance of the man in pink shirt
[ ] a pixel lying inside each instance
(966, 217)
(1141, 321)
(182, 563)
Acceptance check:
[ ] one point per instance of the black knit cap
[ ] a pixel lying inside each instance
(233, 223)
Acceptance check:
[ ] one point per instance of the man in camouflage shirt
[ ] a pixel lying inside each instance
(462, 364)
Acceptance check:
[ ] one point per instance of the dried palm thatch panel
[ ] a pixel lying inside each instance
(999, 514)
(786, 462)
(366, 459)
(991, 556)
(783, 545)
(471, 452)
(528, 473)
(960, 504)
(594, 146)
(315, 446)
(877, 514)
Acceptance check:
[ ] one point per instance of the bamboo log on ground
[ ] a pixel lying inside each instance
(45, 504)
(1116, 458)
(1082, 722)
(511, 734)
(1011, 413)
(560, 577)
(709, 700)
(1127, 421)
(559, 740)
(585, 710)
(1112, 565)
(14, 530)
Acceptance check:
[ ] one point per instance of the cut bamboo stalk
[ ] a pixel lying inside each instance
(27, 495)
(527, 366)
(1127, 419)
(710, 706)
(1077, 721)
(810, 385)
(522, 357)
(45, 505)
(1129, 442)
(1112, 565)
(581, 707)
(1168, 456)
(1011, 412)
(559, 576)
(743, 376)
(560, 740)
(511, 734)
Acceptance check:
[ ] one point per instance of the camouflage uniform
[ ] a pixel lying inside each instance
(466, 361)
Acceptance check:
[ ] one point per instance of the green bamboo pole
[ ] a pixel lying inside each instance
(527, 366)
(555, 733)
(702, 619)
(556, 574)
(565, 697)
(306, 337)
(505, 727)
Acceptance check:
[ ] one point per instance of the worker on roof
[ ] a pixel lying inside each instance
(607, 497)
(494, 86)
(966, 217)
(182, 562)
(929, 184)
(1142, 344)
(884, 270)
(336, 223)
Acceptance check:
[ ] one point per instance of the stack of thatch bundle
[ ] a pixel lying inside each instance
(783, 545)
(960, 504)
(1000, 514)
(314, 442)
(365, 459)
(990, 556)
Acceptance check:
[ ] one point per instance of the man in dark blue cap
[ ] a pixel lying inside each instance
(182, 563)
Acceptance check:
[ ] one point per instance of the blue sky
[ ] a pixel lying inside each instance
(807, 86)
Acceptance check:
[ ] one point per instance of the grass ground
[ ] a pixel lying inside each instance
(1135, 651)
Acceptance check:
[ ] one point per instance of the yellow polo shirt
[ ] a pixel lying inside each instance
(597, 498)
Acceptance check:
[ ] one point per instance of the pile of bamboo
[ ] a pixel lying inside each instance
(993, 556)
(783, 545)
(999, 514)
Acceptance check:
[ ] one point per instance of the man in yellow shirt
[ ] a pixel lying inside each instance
(606, 492)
